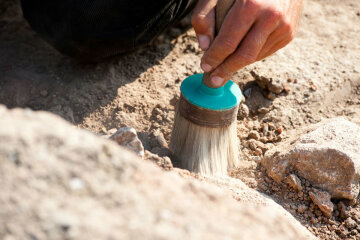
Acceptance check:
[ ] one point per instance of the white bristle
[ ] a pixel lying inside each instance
(204, 150)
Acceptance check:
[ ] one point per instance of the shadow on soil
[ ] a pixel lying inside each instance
(34, 75)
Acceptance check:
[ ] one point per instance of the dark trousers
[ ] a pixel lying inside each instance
(92, 30)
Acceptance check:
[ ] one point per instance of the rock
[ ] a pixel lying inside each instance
(163, 162)
(247, 92)
(263, 110)
(274, 86)
(350, 223)
(158, 144)
(287, 88)
(127, 137)
(294, 182)
(343, 210)
(254, 145)
(279, 130)
(159, 136)
(43, 158)
(301, 208)
(313, 86)
(254, 135)
(328, 158)
(258, 152)
(322, 200)
(243, 112)
(112, 131)
(265, 128)
(271, 96)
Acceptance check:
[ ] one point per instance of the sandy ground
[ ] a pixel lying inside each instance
(320, 69)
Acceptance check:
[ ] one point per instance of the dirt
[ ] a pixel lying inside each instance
(316, 77)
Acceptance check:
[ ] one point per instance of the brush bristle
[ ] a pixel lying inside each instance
(204, 150)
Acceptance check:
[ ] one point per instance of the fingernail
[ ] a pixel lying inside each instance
(206, 67)
(204, 41)
(217, 81)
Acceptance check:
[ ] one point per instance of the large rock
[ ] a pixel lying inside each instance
(328, 157)
(59, 182)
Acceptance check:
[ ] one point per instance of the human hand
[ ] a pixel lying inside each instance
(251, 31)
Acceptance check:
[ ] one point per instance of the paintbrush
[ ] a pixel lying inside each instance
(204, 137)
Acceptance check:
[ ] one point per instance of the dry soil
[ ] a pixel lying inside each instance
(318, 75)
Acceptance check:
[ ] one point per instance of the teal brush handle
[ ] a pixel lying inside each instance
(197, 93)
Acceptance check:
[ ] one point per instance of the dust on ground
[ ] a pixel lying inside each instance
(316, 77)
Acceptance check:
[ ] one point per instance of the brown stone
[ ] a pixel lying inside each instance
(350, 223)
(243, 111)
(322, 200)
(301, 208)
(294, 182)
(327, 157)
(254, 135)
(127, 137)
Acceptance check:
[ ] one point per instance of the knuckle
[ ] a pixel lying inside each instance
(252, 4)
(246, 57)
(275, 14)
(291, 36)
(228, 45)
(225, 70)
(199, 22)
(286, 26)
(212, 59)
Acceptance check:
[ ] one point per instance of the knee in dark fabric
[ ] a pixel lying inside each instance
(92, 30)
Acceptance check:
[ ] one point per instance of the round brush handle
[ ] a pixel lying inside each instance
(222, 8)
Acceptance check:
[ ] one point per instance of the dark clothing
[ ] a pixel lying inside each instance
(91, 30)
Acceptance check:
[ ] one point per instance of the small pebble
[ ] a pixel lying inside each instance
(287, 88)
(275, 87)
(301, 208)
(254, 135)
(127, 137)
(258, 152)
(271, 96)
(263, 110)
(247, 92)
(294, 182)
(323, 200)
(350, 223)
(243, 112)
(313, 86)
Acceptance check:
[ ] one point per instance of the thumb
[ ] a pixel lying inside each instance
(203, 21)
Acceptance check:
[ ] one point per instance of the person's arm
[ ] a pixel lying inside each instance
(251, 31)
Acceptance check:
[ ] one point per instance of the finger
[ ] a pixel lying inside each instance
(278, 45)
(246, 53)
(203, 21)
(272, 40)
(277, 40)
(236, 24)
